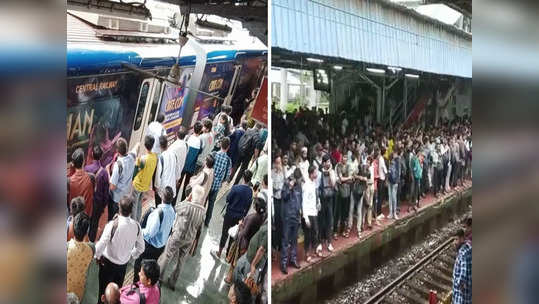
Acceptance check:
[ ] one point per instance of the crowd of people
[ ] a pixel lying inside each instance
(330, 171)
(184, 178)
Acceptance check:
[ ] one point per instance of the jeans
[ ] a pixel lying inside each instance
(289, 238)
(136, 214)
(393, 199)
(211, 202)
(340, 212)
(356, 207)
(278, 224)
(325, 217)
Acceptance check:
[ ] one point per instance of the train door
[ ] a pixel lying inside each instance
(233, 84)
(147, 106)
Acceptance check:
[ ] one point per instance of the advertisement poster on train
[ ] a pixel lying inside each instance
(216, 81)
(260, 108)
(98, 112)
(172, 103)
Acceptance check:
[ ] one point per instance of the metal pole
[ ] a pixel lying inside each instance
(284, 90)
(405, 99)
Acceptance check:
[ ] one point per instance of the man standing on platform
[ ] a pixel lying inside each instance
(121, 241)
(291, 198)
(143, 180)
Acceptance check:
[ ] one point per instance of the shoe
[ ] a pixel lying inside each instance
(295, 264)
(309, 259)
(283, 269)
(330, 248)
(396, 217)
(170, 284)
(319, 251)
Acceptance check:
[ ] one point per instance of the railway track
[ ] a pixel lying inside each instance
(433, 273)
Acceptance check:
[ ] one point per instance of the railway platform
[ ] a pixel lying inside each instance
(354, 258)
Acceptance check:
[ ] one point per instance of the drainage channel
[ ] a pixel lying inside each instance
(411, 276)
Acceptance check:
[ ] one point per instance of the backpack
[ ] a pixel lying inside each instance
(115, 227)
(141, 296)
(326, 191)
(247, 142)
(147, 215)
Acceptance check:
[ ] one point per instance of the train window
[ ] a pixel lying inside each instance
(139, 116)
(155, 102)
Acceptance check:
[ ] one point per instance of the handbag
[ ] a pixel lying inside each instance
(233, 231)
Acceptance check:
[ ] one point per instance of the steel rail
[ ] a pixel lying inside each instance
(389, 288)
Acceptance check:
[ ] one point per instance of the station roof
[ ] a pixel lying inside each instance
(252, 13)
(462, 6)
(378, 32)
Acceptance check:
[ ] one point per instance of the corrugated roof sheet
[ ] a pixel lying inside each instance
(372, 31)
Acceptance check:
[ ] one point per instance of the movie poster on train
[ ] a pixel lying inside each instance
(98, 112)
(216, 81)
(172, 103)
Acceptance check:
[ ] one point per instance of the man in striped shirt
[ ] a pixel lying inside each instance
(221, 171)
(189, 218)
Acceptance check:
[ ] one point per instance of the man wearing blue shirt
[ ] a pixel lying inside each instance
(121, 176)
(157, 230)
(238, 202)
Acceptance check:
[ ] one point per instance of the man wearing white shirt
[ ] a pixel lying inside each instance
(156, 129)
(310, 214)
(121, 241)
(382, 171)
(165, 176)
(179, 149)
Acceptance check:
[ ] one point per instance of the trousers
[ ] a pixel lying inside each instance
(211, 202)
(175, 250)
(110, 272)
(356, 207)
(150, 253)
(325, 218)
(311, 234)
(393, 199)
(289, 242)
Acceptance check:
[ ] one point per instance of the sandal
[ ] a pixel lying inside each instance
(309, 259)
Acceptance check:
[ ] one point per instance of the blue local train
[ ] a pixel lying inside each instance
(106, 100)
